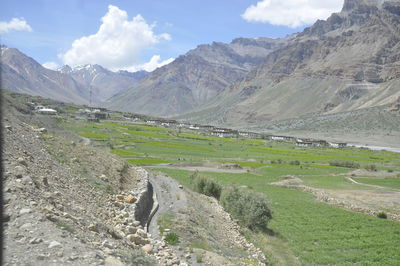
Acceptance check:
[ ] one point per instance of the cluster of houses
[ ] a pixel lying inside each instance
(44, 110)
(229, 133)
(94, 114)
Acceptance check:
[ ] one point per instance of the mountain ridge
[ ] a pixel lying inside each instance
(83, 84)
(195, 77)
(348, 62)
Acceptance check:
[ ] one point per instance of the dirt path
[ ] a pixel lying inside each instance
(362, 184)
(170, 198)
(205, 230)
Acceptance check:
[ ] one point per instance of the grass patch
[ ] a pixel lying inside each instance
(389, 182)
(172, 239)
(92, 135)
(166, 221)
(147, 161)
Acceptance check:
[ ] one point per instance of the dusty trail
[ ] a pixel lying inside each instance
(170, 198)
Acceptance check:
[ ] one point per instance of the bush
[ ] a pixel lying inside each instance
(371, 167)
(295, 162)
(206, 186)
(250, 208)
(382, 215)
(172, 238)
(347, 164)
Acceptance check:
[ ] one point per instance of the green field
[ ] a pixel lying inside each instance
(314, 232)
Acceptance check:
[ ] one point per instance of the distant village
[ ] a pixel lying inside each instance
(98, 114)
(230, 133)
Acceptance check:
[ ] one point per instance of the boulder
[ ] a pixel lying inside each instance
(148, 248)
(130, 199)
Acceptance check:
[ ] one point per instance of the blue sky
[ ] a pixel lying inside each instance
(161, 30)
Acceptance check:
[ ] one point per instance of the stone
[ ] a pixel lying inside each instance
(120, 197)
(107, 244)
(19, 171)
(137, 239)
(54, 244)
(131, 229)
(45, 181)
(112, 261)
(35, 240)
(136, 223)
(22, 161)
(24, 211)
(141, 233)
(131, 237)
(27, 180)
(148, 248)
(130, 199)
(93, 228)
(180, 186)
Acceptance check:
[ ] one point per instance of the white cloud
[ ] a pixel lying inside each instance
(291, 13)
(155, 62)
(15, 24)
(117, 44)
(51, 65)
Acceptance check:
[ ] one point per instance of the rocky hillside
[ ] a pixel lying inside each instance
(195, 78)
(23, 74)
(68, 202)
(348, 62)
(59, 196)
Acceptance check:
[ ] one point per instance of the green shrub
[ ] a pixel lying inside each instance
(250, 208)
(382, 215)
(206, 186)
(172, 238)
(295, 162)
(371, 167)
(199, 258)
(347, 164)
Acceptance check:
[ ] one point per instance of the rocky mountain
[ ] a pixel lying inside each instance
(23, 74)
(348, 62)
(103, 82)
(196, 77)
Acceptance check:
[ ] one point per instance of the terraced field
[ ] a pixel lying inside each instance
(304, 230)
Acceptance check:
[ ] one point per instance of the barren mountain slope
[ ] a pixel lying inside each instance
(195, 78)
(348, 62)
(22, 74)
